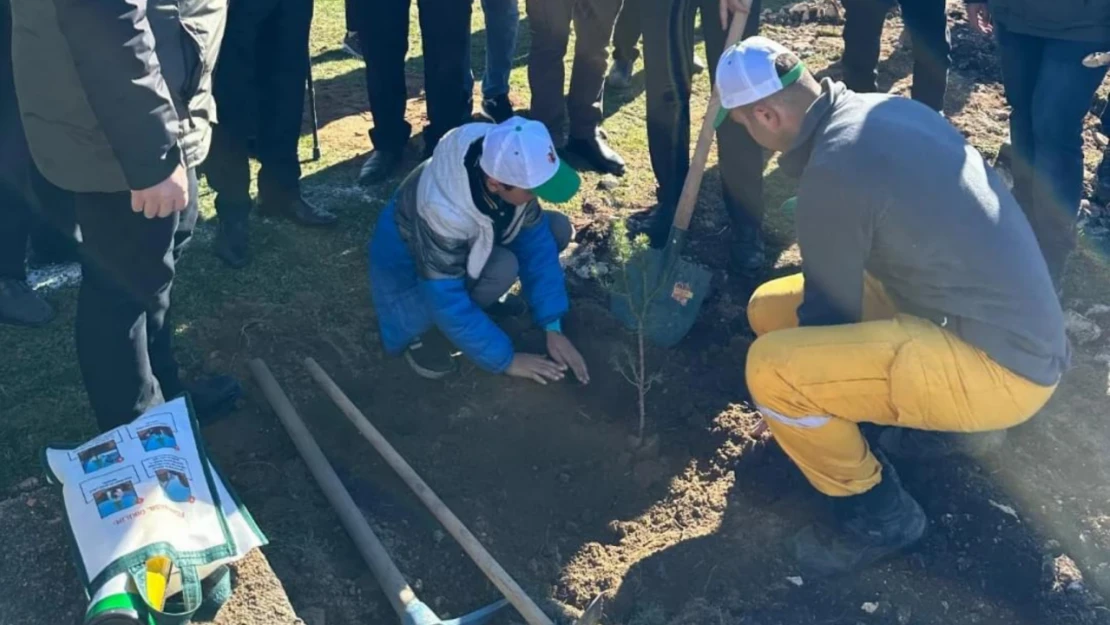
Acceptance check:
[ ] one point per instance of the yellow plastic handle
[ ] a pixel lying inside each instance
(158, 571)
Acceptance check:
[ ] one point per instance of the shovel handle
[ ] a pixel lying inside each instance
(393, 583)
(496, 574)
(689, 198)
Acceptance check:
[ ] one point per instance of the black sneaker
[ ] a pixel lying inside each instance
(21, 306)
(213, 397)
(498, 109)
(620, 74)
(868, 527)
(923, 444)
(352, 45)
(298, 209)
(431, 356)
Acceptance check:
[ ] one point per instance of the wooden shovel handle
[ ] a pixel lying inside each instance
(690, 187)
(496, 574)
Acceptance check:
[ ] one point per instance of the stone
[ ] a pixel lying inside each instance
(1081, 329)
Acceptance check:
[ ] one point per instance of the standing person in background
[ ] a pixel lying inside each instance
(445, 36)
(625, 36)
(502, 21)
(351, 43)
(927, 23)
(573, 118)
(116, 102)
(1042, 46)
(260, 86)
(668, 57)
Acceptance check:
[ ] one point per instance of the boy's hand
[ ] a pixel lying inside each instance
(536, 368)
(563, 352)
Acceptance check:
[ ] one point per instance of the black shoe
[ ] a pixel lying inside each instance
(748, 254)
(298, 209)
(620, 74)
(212, 397)
(922, 444)
(21, 306)
(498, 109)
(431, 355)
(233, 242)
(868, 528)
(1102, 178)
(597, 155)
(379, 166)
(352, 45)
(507, 307)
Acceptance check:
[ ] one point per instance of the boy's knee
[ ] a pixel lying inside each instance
(498, 276)
(561, 229)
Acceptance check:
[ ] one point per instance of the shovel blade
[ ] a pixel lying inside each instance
(418, 613)
(671, 293)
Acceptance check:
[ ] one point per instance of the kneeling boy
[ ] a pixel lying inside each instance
(459, 231)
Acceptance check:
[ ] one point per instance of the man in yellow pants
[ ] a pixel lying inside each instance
(923, 302)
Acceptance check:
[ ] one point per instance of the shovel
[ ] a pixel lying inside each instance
(410, 609)
(665, 292)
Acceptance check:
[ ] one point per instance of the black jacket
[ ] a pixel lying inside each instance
(1070, 20)
(114, 94)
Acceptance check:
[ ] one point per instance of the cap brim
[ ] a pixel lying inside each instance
(561, 187)
(722, 115)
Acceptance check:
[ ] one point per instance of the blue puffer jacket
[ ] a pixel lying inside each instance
(418, 276)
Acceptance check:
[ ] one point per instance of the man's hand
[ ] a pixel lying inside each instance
(728, 7)
(563, 352)
(979, 16)
(535, 367)
(165, 198)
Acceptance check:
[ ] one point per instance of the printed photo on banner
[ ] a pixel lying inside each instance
(157, 437)
(116, 498)
(99, 456)
(175, 485)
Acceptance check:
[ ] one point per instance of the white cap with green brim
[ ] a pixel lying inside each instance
(519, 152)
(747, 74)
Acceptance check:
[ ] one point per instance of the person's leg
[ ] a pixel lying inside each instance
(668, 57)
(863, 29)
(561, 229)
(626, 33)
(445, 32)
(927, 21)
(1020, 60)
(593, 29)
(741, 161)
(497, 277)
(1061, 101)
(502, 23)
(383, 31)
(549, 21)
(127, 272)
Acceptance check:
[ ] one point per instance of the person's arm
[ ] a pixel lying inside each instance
(834, 234)
(541, 276)
(113, 51)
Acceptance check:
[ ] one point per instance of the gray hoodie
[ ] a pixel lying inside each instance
(891, 188)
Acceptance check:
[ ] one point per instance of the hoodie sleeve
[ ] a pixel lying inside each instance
(468, 327)
(834, 234)
(541, 276)
(113, 51)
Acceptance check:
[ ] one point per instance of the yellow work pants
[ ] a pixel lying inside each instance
(814, 385)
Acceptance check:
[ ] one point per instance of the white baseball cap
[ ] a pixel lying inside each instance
(519, 152)
(747, 74)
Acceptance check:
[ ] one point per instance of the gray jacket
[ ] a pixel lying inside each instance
(1071, 20)
(890, 188)
(114, 94)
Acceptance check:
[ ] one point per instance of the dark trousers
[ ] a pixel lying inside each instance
(124, 334)
(260, 87)
(445, 34)
(1049, 91)
(502, 269)
(626, 34)
(23, 191)
(668, 62)
(927, 21)
(576, 113)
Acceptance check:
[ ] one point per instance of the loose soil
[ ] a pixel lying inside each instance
(688, 531)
